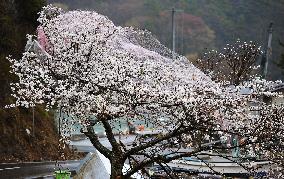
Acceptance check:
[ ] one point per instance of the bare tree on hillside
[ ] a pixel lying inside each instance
(235, 63)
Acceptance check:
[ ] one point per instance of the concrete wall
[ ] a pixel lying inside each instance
(92, 168)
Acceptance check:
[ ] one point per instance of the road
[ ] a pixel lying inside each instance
(85, 145)
(33, 169)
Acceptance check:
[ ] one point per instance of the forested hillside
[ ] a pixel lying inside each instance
(203, 24)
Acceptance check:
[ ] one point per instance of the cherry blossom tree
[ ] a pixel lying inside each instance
(94, 69)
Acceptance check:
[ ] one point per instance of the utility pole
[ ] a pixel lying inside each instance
(33, 121)
(268, 51)
(59, 121)
(174, 31)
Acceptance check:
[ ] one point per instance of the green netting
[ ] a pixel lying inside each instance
(62, 174)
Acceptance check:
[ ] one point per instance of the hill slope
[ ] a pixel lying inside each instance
(17, 18)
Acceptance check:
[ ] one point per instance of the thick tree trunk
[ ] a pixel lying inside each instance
(116, 168)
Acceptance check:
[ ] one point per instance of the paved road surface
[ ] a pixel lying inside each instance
(33, 170)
